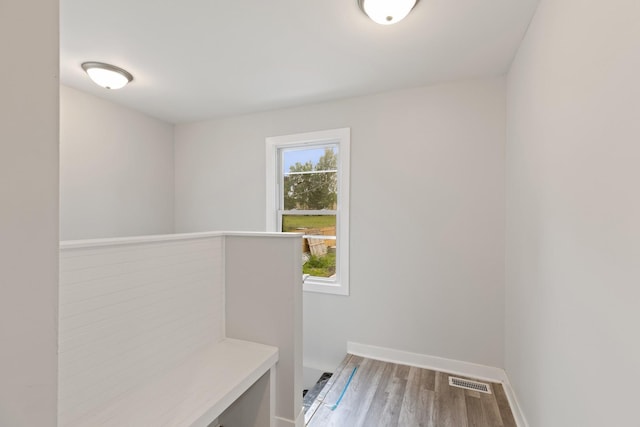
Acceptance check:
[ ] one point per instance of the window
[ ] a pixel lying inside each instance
(308, 192)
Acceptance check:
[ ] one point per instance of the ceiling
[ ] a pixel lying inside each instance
(199, 59)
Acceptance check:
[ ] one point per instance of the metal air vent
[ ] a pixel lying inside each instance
(469, 385)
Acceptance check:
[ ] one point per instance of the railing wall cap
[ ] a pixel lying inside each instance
(119, 241)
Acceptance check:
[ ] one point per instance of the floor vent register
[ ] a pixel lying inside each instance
(469, 385)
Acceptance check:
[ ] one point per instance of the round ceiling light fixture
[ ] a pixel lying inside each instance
(387, 12)
(106, 75)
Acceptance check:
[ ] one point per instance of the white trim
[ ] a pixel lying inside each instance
(310, 172)
(319, 237)
(341, 137)
(309, 212)
(223, 273)
(74, 244)
(516, 409)
(451, 366)
(487, 373)
(271, 180)
(272, 396)
(284, 422)
(344, 219)
(259, 234)
(310, 285)
(300, 419)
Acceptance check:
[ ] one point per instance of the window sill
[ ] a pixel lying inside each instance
(317, 286)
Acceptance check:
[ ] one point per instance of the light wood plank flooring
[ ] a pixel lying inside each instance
(384, 394)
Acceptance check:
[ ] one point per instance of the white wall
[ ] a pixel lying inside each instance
(28, 212)
(116, 170)
(427, 174)
(573, 215)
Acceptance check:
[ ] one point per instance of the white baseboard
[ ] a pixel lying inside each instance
(450, 366)
(487, 373)
(521, 421)
(284, 422)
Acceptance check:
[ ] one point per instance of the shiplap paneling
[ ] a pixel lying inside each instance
(131, 311)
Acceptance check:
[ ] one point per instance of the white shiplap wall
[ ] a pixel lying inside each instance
(129, 311)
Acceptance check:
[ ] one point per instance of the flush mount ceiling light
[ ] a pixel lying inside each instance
(387, 12)
(106, 75)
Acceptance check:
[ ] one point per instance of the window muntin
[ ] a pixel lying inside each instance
(309, 178)
(307, 192)
(319, 245)
(308, 186)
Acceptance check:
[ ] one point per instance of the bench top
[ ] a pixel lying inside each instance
(192, 394)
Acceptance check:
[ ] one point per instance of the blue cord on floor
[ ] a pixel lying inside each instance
(344, 390)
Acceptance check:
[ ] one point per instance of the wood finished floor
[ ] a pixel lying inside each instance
(384, 394)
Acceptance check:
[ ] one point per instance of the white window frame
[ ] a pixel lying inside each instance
(341, 137)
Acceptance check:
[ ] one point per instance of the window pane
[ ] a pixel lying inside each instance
(319, 245)
(310, 178)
